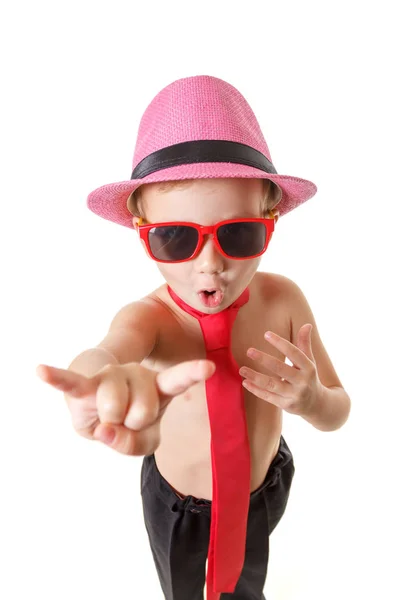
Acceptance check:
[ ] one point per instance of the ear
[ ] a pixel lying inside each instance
(137, 221)
(273, 214)
(275, 198)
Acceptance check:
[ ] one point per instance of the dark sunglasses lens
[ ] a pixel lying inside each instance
(242, 239)
(173, 242)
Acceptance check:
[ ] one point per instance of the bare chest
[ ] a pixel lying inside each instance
(183, 456)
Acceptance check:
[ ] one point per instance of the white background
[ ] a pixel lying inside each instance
(76, 77)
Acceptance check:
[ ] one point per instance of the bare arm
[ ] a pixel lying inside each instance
(108, 391)
(92, 360)
(132, 336)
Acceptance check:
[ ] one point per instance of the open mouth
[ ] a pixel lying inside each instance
(211, 298)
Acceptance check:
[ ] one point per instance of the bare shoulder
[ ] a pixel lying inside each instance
(293, 301)
(283, 294)
(138, 312)
(134, 331)
(278, 293)
(279, 287)
(274, 285)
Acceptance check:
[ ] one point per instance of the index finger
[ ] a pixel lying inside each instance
(294, 354)
(69, 382)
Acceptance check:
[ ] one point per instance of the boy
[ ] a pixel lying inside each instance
(216, 472)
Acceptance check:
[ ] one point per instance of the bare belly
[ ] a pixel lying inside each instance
(184, 457)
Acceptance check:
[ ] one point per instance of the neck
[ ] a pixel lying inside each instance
(242, 299)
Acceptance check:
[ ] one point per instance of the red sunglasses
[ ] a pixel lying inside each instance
(178, 241)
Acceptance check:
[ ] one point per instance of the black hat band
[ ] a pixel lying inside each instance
(202, 151)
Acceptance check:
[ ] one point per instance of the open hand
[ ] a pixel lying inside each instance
(296, 388)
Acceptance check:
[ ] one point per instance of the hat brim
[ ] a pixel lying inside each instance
(109, 201)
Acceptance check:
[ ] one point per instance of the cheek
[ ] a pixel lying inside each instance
(245, 268)
(175, 273)
(145, 248)
(181, 274)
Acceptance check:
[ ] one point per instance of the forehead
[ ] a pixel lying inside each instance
(208, 199)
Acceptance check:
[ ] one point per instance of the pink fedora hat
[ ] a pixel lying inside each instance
(195, 128)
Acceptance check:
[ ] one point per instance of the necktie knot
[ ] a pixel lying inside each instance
(217, 330)
(216, 327)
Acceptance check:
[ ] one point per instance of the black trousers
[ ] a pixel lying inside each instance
(179, 530)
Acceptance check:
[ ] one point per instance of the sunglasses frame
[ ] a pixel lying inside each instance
(143, 231)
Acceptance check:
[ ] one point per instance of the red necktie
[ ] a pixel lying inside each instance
(230, 450)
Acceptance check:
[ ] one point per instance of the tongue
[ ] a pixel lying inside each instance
(211, 300)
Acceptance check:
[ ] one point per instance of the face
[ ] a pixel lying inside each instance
(206, 201)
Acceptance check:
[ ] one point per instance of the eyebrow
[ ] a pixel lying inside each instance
(244, 215)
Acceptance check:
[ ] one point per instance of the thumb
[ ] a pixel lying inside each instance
(177, 379)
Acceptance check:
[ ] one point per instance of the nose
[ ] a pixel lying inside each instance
(209, 258)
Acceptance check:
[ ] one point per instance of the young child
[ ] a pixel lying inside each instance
(165, 382)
